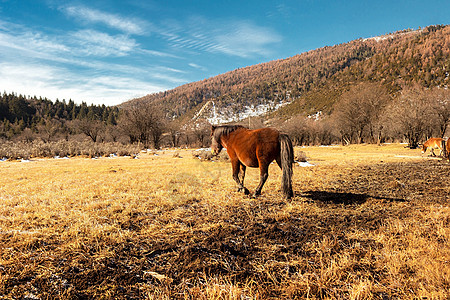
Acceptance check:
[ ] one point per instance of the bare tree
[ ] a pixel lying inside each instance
(322, 133)
(440, 99)
(27, 135)
(357, 114)
(112, 133)
(157, 132)
(410, 115)
(174, 130)
(91, 128)
(48, 129)
(307, 131)
(201, 131)
(142, 123)
(297, 130)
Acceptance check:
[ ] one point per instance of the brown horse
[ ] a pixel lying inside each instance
(256, 149)
(433, 143)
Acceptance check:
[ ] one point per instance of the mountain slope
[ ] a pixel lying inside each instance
(312, 81)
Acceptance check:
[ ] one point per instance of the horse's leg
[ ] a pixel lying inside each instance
(242, 173)
(263, 174)
(237, 165)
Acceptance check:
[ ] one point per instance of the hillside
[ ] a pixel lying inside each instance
(312, 81)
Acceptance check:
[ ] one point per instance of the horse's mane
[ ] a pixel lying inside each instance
(225, 130)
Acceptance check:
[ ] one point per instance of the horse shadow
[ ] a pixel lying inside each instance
(343, 198)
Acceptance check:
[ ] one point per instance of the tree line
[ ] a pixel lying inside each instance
(368, 113)
(365, 113)
(30, 118)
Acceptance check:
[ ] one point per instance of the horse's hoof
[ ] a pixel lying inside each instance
(246, 191)
(288, 197)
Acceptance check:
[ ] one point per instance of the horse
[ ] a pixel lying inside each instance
(255, 149)
(433, 143)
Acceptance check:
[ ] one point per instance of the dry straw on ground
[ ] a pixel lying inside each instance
(366, 222)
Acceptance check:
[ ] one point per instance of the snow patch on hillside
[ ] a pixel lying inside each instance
(391, 36)
(230, 114)
(316, 117)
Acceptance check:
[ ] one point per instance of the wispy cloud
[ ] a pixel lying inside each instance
(236, 38)
(170, 70)
(115, 61)
(91, 42)
(59, 82)
(65, 49)
(80, 43)
(156, 53)
(80, 65)
(245, 39)
(196, 66)
(34, 43)
(115, 21)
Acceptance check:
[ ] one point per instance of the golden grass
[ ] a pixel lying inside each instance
(366, 222)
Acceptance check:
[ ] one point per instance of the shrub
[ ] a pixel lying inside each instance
(63, 148)
(206, 155)
(300, 156)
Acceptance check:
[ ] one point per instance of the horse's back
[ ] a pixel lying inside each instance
(266, 135)
(434, 143)
(245, 137)
(253, 146)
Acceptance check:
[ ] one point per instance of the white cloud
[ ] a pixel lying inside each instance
(78, 65)
(34, 44)
(61, 48)
(246, 39)
(235, 38)
(166, 78)
(58, 82)
(91, 42)
(127, 25)
(83, 64)
(156, 53)
(170, 70)
(195, 66)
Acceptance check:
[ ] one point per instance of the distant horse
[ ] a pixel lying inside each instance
(256, 149)
(433, 143)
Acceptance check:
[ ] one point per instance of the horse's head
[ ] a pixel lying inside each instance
(424, 148)
(216, 145)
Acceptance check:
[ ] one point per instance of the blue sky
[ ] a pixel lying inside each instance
(107, 52)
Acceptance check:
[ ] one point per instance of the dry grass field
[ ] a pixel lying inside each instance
(366, 222)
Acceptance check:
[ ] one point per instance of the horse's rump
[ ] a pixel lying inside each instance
(433, 143)
(253, 147)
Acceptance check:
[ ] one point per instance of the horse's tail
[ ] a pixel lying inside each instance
(287, 159)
